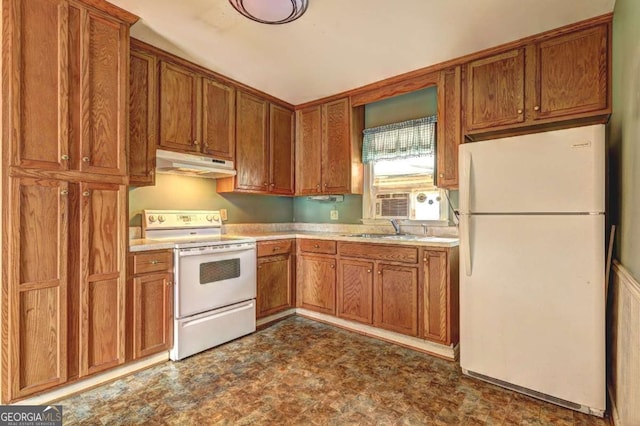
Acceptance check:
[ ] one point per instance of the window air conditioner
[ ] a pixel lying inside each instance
(394, 205)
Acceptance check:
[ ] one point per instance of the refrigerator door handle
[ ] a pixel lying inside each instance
(466, 175)
(465, 224)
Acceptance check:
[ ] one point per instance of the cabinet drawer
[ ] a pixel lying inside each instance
(390, 253)
(269, 248)
(153, 261)
(317, 246)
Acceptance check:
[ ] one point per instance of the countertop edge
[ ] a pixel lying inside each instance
(138, 245)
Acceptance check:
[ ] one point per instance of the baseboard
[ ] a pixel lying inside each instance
(449, 353)
(94, 381)
(266, 321)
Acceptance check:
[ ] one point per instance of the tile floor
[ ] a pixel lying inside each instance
(302, 372)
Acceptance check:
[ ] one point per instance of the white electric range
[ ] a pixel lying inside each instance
(214, 275)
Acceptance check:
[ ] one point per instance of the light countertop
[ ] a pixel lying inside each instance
(414, 240)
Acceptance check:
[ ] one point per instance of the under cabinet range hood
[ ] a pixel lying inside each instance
(179, 163)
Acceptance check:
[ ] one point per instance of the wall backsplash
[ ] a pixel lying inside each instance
(310, 211)
(192, 193)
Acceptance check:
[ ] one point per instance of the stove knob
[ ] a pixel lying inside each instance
(209, 218)
(152, 219)
(216, 217)
(161, 218)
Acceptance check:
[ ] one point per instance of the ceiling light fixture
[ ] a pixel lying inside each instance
(271, 11)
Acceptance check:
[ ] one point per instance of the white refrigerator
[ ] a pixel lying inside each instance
(532, 254)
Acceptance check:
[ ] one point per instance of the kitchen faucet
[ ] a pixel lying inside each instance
(394, 222)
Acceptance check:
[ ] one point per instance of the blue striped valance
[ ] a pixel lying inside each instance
(413, 138)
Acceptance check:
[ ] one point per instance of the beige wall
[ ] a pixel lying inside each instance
(624, 135)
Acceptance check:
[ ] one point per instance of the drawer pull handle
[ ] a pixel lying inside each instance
(276, 248)
(316, 246)
(154, 262)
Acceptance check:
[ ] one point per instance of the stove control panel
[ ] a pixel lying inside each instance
(180, 219)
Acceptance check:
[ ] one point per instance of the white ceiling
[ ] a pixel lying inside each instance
(339, 45)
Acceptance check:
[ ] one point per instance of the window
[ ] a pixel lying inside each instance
(399, 168)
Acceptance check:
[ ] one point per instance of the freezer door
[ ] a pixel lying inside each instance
(560, 171)
(532, 309)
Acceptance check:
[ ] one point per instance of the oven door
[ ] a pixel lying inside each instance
(213, 277)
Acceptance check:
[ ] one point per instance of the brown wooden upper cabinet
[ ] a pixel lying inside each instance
(73, 116)
(143, 118)
(179, 108)
(329, 149)
(449, 127)
(560, 78)
(264, 148)
(197, 113)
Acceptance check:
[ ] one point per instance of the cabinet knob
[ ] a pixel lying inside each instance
(86, 193)
(536, 108)
(316, 246)
(333, 266)
(276, 248)
(273, 184)
(169, 283)
(86, 159)
(519, 111)
(264, 184)
(195, 142)
(379, 272)
(441, 175)
(154, 262)
(259, 266)
(64, 157)
(318, 186)
(325, 185)
(368, 271)
(64, 192)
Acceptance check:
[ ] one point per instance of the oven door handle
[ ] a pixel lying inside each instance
(214, 250)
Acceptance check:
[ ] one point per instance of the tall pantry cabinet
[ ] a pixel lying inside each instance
(64, 97)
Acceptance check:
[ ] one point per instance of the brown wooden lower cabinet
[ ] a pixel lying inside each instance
(150, 303)
(396, 298)
(440, 295)
(275, 286)
(355, 290)
(316, 283)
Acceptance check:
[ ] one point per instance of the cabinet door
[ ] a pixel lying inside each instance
(178, 108)
(572, 73)
(252, 149)
(143, 118)
(449, 128)
(36, 300)
(336, 147)
(435, 297)
(102, 276)
(152, 307)
(355, 290)
(317, 284)
(280, 150)
(495, 91)
(309, 150)
(396, 299)
(218, 119)
(274, 285)
(34, 99)
(103, 81)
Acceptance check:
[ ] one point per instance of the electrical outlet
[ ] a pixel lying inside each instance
(223, 214)
(334, 214)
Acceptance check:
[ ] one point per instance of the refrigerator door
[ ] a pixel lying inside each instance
(552, 172)
(532, 309)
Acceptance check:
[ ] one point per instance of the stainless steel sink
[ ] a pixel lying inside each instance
(386, 236)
